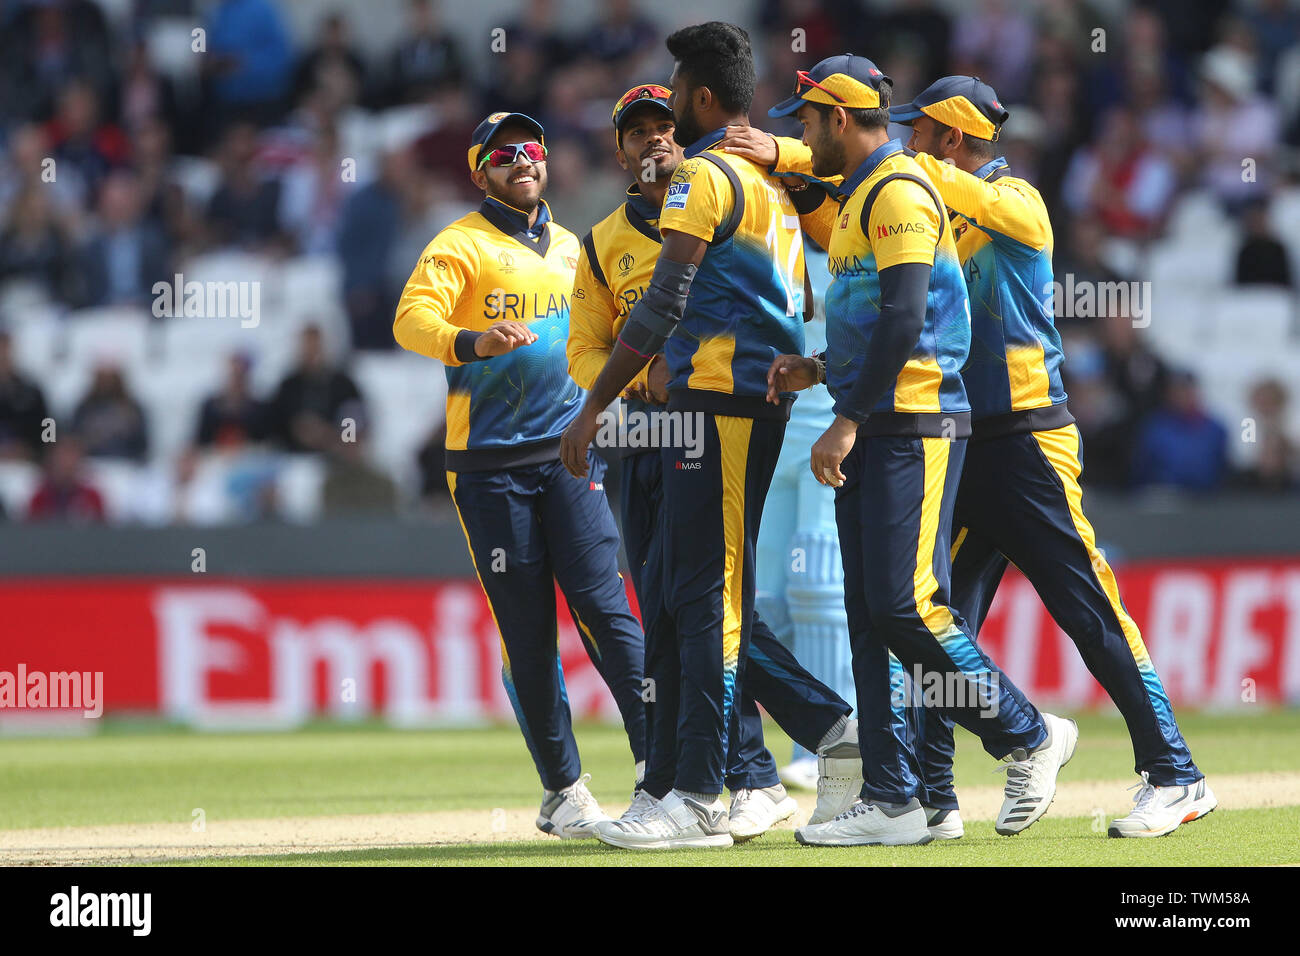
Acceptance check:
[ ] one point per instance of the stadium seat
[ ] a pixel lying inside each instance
(1285, 216)
(123, 336)
(119, 484)
(1260, 318)
(405, 397)
(1202, 262)
(1197, 214)
(18, 482)
(171, 395)
(299, 484)
(38, 340)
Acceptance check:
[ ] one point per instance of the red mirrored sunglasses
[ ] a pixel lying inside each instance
(649, 91)
(804, 80)
(507, 155)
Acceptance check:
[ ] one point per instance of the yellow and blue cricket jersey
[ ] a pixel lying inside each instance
(486, 267)
(889, 214)
(1004, 241)
(615, 263)
(747, 299)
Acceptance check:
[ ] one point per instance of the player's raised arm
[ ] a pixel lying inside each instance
(446, 269)
(1005, 209)
(652, 320)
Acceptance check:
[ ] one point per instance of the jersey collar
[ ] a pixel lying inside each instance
(989, 168)
(707, 141)
(514, 222)
(878, 156)
(642, 206)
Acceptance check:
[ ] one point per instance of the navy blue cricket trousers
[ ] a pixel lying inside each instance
(803, 706)
(1020, 499)
(894, 513)
(529, 527)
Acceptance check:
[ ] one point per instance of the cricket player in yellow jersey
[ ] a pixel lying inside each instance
(898, 332)
(615, 266)
(489, 298)
(1019, 497)
(731, 244)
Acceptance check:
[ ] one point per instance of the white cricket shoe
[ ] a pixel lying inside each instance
(1031, 777)
(1159, 811)
(642, 802)
(754, 812)
(866, 824)
(672, 823)
(571, 813)
(944, 824)
(839, 780)
(799, 774)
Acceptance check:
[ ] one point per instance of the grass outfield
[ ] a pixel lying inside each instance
(130, 774)
(1224, 838)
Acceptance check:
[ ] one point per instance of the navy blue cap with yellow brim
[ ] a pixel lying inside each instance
(965, 102)
(853, 82)
(483, 132)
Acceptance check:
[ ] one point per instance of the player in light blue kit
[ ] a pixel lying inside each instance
(799, 580)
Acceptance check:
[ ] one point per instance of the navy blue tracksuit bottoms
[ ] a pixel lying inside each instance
(529, 527)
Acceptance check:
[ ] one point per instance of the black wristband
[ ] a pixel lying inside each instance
(464, 348)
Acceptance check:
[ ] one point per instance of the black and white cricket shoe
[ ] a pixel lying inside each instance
(571, 813)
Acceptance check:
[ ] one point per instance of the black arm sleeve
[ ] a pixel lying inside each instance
(465, 340)
(904, 290)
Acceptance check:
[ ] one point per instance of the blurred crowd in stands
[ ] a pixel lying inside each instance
(280, 147)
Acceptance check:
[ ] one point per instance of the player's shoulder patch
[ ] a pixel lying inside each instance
(686, 170)
(677, 195)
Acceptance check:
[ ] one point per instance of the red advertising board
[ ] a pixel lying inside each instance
(275, 653)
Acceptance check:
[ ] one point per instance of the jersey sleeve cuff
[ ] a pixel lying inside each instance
(464, 348)
(840, 409)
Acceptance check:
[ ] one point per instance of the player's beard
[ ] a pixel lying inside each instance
(505, 193)
(829, 155)
(688, 128)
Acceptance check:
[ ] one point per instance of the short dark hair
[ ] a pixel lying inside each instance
(981, 149)
(867, 119)
(717, 55)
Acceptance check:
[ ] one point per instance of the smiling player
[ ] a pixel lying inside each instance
(489, 298)
(614, 268)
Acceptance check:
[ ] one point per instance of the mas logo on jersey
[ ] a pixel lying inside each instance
(898, 228)
(677, 193)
